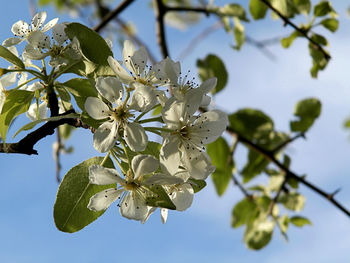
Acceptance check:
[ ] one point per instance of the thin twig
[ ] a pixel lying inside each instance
(301, 31)
(290, 140)
(160, 10)
(241, 187)
(270, 156)
(57, 152)
(124, 4)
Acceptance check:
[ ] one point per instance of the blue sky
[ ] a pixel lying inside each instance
(202, 233)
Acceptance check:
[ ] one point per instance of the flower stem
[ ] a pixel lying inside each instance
(159, 119)
(126, 152)
(151, 129)
(25, 83)
(114, 155)
(145, 112)
(105, 159)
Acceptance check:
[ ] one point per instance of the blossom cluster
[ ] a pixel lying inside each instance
(123, 106)
(148, 176)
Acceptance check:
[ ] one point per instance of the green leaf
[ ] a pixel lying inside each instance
(70, 210)
(157, 197)
(308, 110)
(16, 103)
(243, 212)
(331, 24)
(259, 233)
(319, 39)
(234, 10)
(197, 185)
(303, 6)
(212, 66)
(282, 6)
(92, 45)
(255, 165)
(10, 57)
(221, 158)
(283, 222)
(293, 201)
(250, 123)
(287, 41)
(257, 9)
(81, 89)
(239, 34)
(300, 221)
(31, 125)
(322, 8)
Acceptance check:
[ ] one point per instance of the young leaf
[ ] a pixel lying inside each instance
(10, 57)
(259, 233)
(16, 102)
(308, 111)
(330, 23)
(257, 9)
(212, 66)
(220, 156)
(323, 8)
(197, 185)
(300, 221)
(250, 123)
(243, 212)
(287, 41)
(234, 10)
(238, 33)
(70, 210)
(81, 89)
(293, 201)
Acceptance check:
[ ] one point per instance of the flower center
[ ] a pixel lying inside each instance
(121, 114)
(130, 186)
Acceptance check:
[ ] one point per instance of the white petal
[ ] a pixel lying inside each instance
(119, 70)
(151, 209)
(35, 86)
(162, 179)
(143, 98)
(205, 101)
(172, 69)
(170, 154)
(58, 33)
(9, 79)
(128, 51)
(144, 164)
(20, 28)
(207, 85)
(96, 108)
(33, 113)
(105, 136)
(102, 176)
(133, 207)
(110, 88)
(12, 41)
(172, 113)
(39, 40)
(164, 215)
(210, 125)
(103, 199)
(31, 53)
(135, 136)
(38, 20)
(182, 196)
(161, 97)
(49, 25)
(139, 60)
(198, 164)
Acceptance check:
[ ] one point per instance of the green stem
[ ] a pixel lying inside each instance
(159, 119)
(118, 163)
(151, 129)
(33, 72)
(25, 83)
(105, 159)
(126, 152)
(143, 113)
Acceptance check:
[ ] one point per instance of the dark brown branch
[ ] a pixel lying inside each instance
(301, 31)
(270, 156)
(241, 187)
(57, 152)
(26, 145)
(290, 140)
(203, 10)
(160, 10)
(107, 18)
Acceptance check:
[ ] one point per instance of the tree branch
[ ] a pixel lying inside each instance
(301, 31)
(270, 156)
(107, 18)
(26, 145)
(160, 10)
